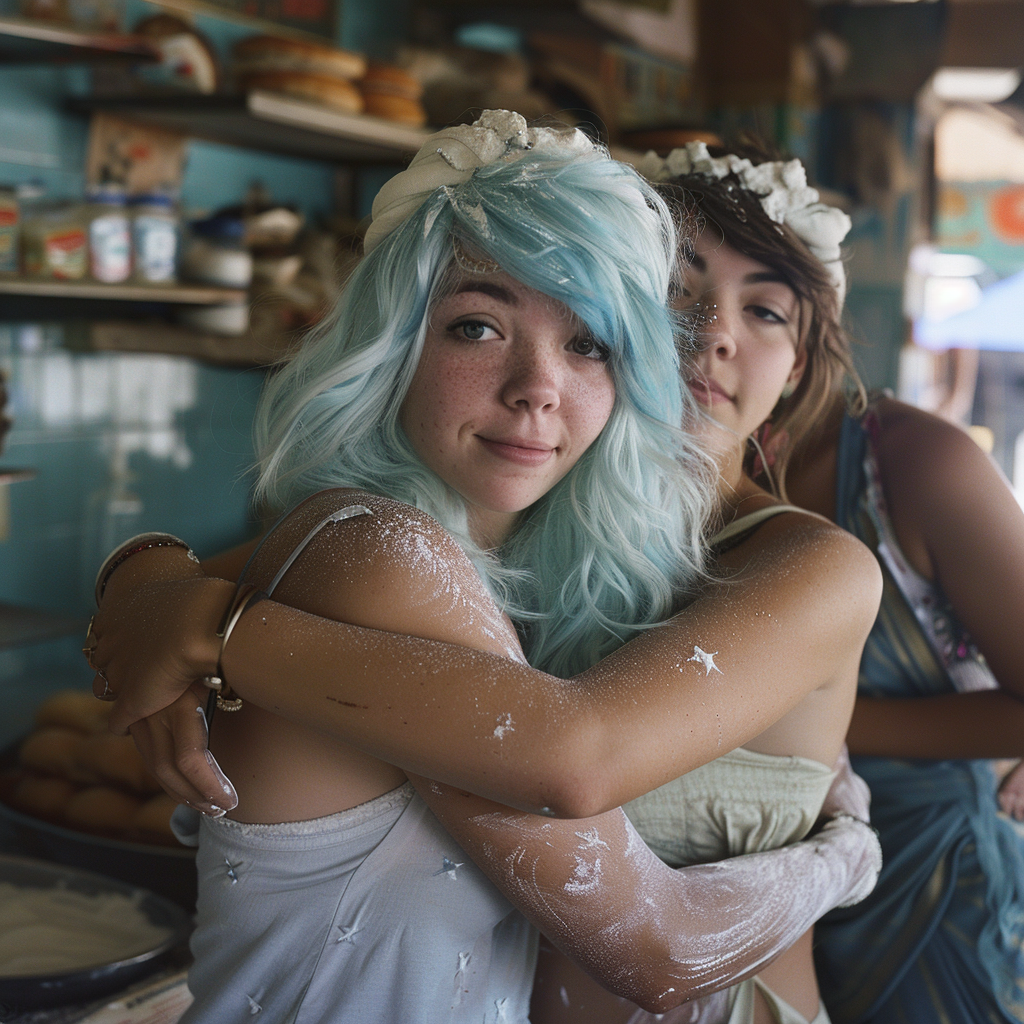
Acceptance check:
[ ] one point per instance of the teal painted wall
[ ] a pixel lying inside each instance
(122, 442)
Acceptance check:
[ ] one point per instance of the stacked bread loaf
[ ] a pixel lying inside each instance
(75, 773)
(310, 71)
(393, 94)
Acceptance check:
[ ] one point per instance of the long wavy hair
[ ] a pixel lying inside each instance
(617, 542)
(698, 203)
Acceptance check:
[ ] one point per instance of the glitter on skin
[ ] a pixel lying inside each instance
(707, 660)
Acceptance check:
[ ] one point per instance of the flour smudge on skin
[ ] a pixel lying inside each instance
(504, 726)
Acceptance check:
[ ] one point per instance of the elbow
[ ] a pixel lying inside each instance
(581, 779)
(577, 788)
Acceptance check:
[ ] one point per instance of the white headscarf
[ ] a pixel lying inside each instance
(452, 155)
(782, 189)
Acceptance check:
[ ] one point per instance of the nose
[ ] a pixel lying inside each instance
(717, 330)
(533, 379)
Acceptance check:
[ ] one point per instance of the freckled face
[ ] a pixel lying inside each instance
(751, 342)
(510, 391)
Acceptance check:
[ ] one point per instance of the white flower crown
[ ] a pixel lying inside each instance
(452, 155)
(782, 189)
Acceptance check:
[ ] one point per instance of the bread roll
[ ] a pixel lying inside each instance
(42, 797)
(389, 80)
(115, 759)
(396, 108)
(52, 751)
(153, 819)
(328, 92)
(102, 809)
(74, 709)
(258, 54)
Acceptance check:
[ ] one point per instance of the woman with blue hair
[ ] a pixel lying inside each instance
(495, 408)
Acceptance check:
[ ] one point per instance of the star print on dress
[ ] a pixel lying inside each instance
(348, 932)
(449, 867)
(707, 660)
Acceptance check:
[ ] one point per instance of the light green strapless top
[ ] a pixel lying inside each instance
(742, 802)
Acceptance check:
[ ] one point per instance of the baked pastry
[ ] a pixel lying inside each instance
(52, 750)
(390, 80)
(153, 819)
(102, 809)
(396, 108)
(393, 94)
(115, 759)
(269, 54)
(329, 92)
(74, 709)
(42, 797)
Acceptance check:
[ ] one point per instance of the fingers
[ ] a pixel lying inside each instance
(173, 744)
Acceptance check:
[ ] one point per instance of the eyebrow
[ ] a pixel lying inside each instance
(757, 277)
(495, 291)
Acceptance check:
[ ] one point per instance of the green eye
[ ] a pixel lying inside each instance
(472, 330)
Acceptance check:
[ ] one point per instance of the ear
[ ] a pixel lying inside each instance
(799, 366)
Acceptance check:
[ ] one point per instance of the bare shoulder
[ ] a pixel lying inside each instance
(387, 565)
(925, 455)
(935, 477)
(803, 559)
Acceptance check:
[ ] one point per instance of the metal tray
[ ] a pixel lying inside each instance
(80, 986)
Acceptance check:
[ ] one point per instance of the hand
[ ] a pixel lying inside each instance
(1011, 792)
(849, 793)
(153, 639)
(173, 743)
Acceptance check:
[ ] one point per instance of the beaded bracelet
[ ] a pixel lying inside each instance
(121, 554)
(245, 597)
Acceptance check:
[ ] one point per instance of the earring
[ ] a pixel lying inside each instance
(787, 389)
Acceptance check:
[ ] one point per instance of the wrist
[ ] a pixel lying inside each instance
(151, 565)
(210, 607)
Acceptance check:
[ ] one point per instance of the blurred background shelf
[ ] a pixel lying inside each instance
(20, 626)
(179, 294)
(266, 121)
(32, 42)
(244, 350)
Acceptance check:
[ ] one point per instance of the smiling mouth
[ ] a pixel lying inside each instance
(523, 453)
(707, 392)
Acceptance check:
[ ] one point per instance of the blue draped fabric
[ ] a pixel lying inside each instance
(939, 940)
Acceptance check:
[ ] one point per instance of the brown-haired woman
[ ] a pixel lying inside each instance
(941, 686)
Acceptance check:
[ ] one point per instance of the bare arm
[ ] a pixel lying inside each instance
(960, 525)
(651, 934)
(650, 712)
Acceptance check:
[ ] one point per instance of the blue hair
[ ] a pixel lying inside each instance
(612, 546)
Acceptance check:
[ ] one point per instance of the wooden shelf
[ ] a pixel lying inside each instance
(170, 339)
(35, 42)
(263, 25)
(179, 294)
(20, 626)
(267, 121)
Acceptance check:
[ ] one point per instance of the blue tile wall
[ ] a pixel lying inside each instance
(123, 442)
(120, 443)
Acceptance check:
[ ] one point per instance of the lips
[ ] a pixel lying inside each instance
(518, 450)
(708, 392)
